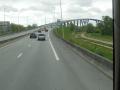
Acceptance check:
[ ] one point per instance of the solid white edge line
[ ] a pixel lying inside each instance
(19, 55)
(56, 56)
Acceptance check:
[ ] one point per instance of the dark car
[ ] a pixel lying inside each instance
(41, 37)
(39, 31)
(46, 30)
(33, 35)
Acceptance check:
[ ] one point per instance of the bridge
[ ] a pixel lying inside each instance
(76, 22)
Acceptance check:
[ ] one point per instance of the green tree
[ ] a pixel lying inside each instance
(107, 25)
(29, 27)
(34, 25)
(17, 28)
(72, 27)
(89, 28)
(100, 27)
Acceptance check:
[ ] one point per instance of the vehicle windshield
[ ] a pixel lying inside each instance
(41, 34)
(56, 45)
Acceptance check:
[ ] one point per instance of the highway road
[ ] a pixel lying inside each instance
(28, 64)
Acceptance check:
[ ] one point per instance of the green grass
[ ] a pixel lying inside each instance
(94, 41)
(70, 36)
(100, 37)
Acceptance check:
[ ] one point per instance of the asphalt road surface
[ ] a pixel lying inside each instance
(28, 64)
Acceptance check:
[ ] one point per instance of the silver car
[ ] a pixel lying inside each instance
(41, 37)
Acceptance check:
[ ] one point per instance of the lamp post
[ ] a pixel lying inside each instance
(54, 19)
(4, 26)
(18, 17)
(27, 20)
(61, 17)
(4, 14)
(61, 9)
(45, 20)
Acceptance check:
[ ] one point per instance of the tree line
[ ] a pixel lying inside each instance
(19, 28)
(105, 27)
(14, 28)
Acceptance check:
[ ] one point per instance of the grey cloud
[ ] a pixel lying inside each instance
(82, 3)
(41, 8)
(96, 10)
(50, 2)
(75, 9)
(8, 8)
(108, 12)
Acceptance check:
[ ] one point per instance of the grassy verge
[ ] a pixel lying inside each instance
(70, 36)
(94, 41)
(100, 37)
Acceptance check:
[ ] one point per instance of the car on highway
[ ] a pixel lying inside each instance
(39, 31)
(41, 37)
(46, 30)
(33, 35)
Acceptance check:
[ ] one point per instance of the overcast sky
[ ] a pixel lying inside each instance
(34, 11)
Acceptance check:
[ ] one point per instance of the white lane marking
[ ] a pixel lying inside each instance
(56, 56)
(29, 45)
(19, 55)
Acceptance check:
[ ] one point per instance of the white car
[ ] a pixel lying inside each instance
(41, 37)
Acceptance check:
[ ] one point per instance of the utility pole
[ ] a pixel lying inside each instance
(27, 20)
(54, 19)
(61, 9)
(4, 14)
(61, 17)
(18, 19)
(4, 28)
(45, 20)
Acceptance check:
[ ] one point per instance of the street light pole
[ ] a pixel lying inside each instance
(18, 18)
(61, 17)
(4, 20)
(4, 14)
(61, 9)
(27, 20)
(45, 20)
(54, 19)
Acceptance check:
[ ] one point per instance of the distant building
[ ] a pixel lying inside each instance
(5, 26)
